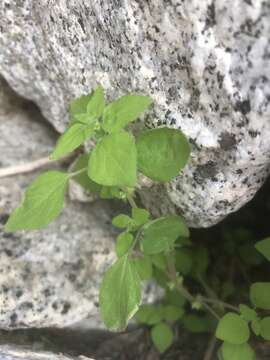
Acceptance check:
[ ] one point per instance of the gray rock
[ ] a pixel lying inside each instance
(49, 277)
(205, 63)
(11, 352)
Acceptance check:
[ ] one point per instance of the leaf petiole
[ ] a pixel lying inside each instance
(75, 173)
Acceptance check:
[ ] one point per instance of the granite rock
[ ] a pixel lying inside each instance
(49, 277)
(11, 352)
(205, 63)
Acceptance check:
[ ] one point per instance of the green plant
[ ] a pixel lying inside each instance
(147, 248)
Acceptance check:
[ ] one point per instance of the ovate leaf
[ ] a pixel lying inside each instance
(110, 192)
(120, 294)
(174, 297)
(123, 243)
(72, 138)
(162, 336)
(183, 261)
(140, 216)
(173, 313)
(113, 162)
(265, 328)
(263, 247)
(82, 178)
(43, 202)
(149, 314)
(249, 255)
(123, 111)
(95, 106)
(121, 221)
(144, 267)
(233, 329)
(247, 313)
(256, 326)
(260, 295)
(79, 106)
(237, 352)
(90, 106)
(160, 235)
(159, 260)
(162, 153)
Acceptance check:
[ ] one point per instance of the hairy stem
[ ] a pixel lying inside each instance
(186, 294)
(219, 303)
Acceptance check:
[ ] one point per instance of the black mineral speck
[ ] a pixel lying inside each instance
(66, 308)
(243, 106)
(227, 141)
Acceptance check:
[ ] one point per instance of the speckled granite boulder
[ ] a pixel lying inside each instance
(12, 352)
(50, 277)
(205, 63)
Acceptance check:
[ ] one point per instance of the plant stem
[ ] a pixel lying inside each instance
(131, 201)
(207, 289)
(75, 173)
(186, 294)
(220, 303)
(210, 349)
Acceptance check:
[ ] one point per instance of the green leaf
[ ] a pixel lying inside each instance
(237, 351)
(263, 247)
(160, 235)
(200, 260)
(196, 324)
(260, 295)
(82, 178)
(233, 329)
(43, 202)
(121, 112)
(256, 326)
(149, 314)
(162, 337)
(162, 153)
(96, 105)
(159, 260)
(247, 313)
(91, 106)
(227, 289)
(173, 297)
(249, 255)
(173, 313)
(121, 221)
(120, 294)
(124, 242)
(110, 192)
(140, 216)
(265, 328)
(144, 267)
(183, 261)
(161, 277)
(79, 106)
(72, 138)
(113, 162)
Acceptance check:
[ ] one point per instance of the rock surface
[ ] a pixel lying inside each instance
(19, 353)
(49, 277)
(205, 63)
